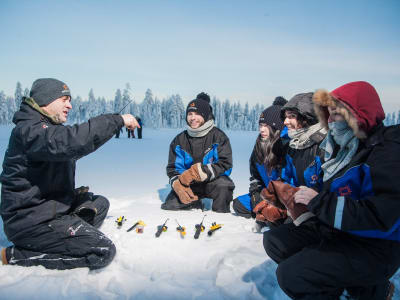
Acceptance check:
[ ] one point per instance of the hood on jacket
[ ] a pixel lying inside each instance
(25, 113)
(303, 105)
(358, 102)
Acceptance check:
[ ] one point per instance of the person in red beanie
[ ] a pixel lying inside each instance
(353, 242)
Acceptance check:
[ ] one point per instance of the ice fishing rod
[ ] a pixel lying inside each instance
(132, 227)
(214, 227)
(140, 222)
(120, 221)
(181, 229)
(162, 228)
(199, 228)
(125, 106)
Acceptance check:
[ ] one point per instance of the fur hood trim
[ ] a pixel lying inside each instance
(322, 100)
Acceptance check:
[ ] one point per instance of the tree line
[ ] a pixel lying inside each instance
(166, 113)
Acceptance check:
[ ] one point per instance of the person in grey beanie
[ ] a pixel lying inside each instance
(49, 221)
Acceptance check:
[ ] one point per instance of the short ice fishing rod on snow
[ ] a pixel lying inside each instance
(181, 229)
(214, 227)
(199, 228)
(161, 228)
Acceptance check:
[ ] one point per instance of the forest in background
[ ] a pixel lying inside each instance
(155, 113)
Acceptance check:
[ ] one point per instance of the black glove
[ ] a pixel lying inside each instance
(86, 210)
(255, 186)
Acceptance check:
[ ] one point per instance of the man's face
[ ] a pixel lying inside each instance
(291, 121)
(334, 116)
(194, 120)
(59, 108)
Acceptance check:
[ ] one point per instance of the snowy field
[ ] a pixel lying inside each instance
(231, 264)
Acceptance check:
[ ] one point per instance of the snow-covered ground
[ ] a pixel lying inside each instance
(231, 264)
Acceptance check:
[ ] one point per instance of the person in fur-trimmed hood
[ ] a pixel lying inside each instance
(353, 242)
(200, 162)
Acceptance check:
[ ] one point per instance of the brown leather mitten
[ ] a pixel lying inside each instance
(285, 193)
(184, 193)
(269, 195)
(267, 212)
(194, 173)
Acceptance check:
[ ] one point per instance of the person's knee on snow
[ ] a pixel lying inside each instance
(101, 256)
(241, 206)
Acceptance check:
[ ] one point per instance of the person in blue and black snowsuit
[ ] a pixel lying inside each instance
(299, 145)
(200, 162)
(353, 241)
(51, 223)
(265, 165)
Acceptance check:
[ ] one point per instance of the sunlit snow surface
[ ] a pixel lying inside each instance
(231, 264)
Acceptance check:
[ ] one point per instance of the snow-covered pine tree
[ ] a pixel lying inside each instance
(12, 108)
(18, 95)
(3, 109)
(157, 114)
(117, 101)
(398, 117)
(227, 112)
(393, 118)
(126, 98)
(147, 109)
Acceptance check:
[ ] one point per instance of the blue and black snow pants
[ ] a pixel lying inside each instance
(67, 242)
(318, 262)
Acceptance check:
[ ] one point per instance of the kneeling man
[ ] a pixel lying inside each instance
(200, 162)
(49, 221)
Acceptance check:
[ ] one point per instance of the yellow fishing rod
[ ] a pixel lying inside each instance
(214, 227)
(181, 229)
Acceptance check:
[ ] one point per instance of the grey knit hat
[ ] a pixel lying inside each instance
(46, 90)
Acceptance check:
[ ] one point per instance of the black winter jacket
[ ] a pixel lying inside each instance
(302, 166)
(213, 151)
(38, 178)
(364, 198)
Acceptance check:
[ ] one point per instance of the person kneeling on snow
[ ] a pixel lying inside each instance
(200, 162)
(265, 165)
(353, 242)
(49, 221)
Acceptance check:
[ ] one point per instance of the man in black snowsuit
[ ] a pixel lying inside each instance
(49, 221)
(200, 162)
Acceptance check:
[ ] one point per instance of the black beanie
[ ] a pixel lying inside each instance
(279, 101)
(272, 115)
(46, 90)
(200, 105)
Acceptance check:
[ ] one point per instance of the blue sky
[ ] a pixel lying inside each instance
(247, 51)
